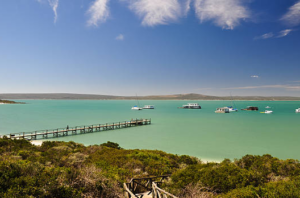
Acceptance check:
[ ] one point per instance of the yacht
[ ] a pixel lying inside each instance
(298, 110)
(231, 109)
(148, 107)
(222, 110)
(191, 106)
(136, 108)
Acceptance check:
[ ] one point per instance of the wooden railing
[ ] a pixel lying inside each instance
(146, 187)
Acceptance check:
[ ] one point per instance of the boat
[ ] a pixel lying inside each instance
(136, 108)
(250, 108)
(267, 112)
(222, 110)
(267, 107)
(298, 110)
(191, 106)
(231, 109)
(232, 106)
(148, 107)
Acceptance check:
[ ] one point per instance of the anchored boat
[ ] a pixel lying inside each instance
(298, 110)
(191, 106)
(148, 107)
(222, 110)
(250, 108)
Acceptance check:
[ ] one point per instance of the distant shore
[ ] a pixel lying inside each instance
(192, 96)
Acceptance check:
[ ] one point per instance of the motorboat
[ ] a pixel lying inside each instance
(191, 106)
(136, 108)
(267, 107)
(222, 110)
(298, 110)
(148, 107)
(250, 108)
(267, 112)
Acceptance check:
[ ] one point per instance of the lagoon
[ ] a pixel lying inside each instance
(200, 133)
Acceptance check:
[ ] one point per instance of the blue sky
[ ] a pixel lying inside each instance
(149, 47)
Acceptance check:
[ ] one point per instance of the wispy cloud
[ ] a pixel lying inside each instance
(292, 17)
(54, 5)
(120, 37)
(226, 14)
(186, 6)
(156, 12)
(99, 12)
(264, 36)
(255, 76)
(289, 87)
(280, 34)
(284, 33)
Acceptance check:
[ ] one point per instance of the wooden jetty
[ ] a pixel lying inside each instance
(60, 132)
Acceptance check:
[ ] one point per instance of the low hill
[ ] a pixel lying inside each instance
(191, 96)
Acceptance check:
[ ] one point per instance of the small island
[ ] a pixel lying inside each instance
(10, 102)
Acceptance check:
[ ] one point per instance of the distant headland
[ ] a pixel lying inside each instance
(10, 102)
(191, 96)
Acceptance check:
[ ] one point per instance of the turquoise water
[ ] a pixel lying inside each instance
(201, 133)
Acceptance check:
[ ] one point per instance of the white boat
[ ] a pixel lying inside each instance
(298, 110)
(191, 106)
(267, 107)
(231, 109)
(148, 107)
(267, 112)
(222, 110)
(136, 108)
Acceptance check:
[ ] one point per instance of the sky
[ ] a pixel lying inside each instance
(150, 47)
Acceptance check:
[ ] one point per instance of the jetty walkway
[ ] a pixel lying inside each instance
(148, 187)
(60, 132)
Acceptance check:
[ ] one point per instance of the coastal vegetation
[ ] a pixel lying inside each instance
(69, 169)
(10, 102)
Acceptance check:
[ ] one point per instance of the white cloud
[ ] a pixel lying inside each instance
(187, 6)
(224, 13)
(288, 87)
(156, 12)
(265, 36)
(254, 76)
(284, 33)
(292, 17)
(99, 12)
(54, 6)
(120, 37)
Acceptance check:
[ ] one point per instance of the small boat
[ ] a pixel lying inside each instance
(267, 112)
(191, 106)
(148, 107)
(222, 110)
(136, 108)
(298, 110)
(250, 108)
(231, 109)
(267, 107)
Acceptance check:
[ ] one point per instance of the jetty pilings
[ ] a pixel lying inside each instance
(61, 132)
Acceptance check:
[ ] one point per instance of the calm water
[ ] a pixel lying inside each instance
(201, 133)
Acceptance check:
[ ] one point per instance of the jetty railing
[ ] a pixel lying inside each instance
(61, 132)
(146, 187)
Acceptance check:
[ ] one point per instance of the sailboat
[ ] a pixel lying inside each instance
(231, 108)
(136, 107)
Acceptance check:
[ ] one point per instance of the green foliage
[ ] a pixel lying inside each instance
(111, 145)
(69, 169)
